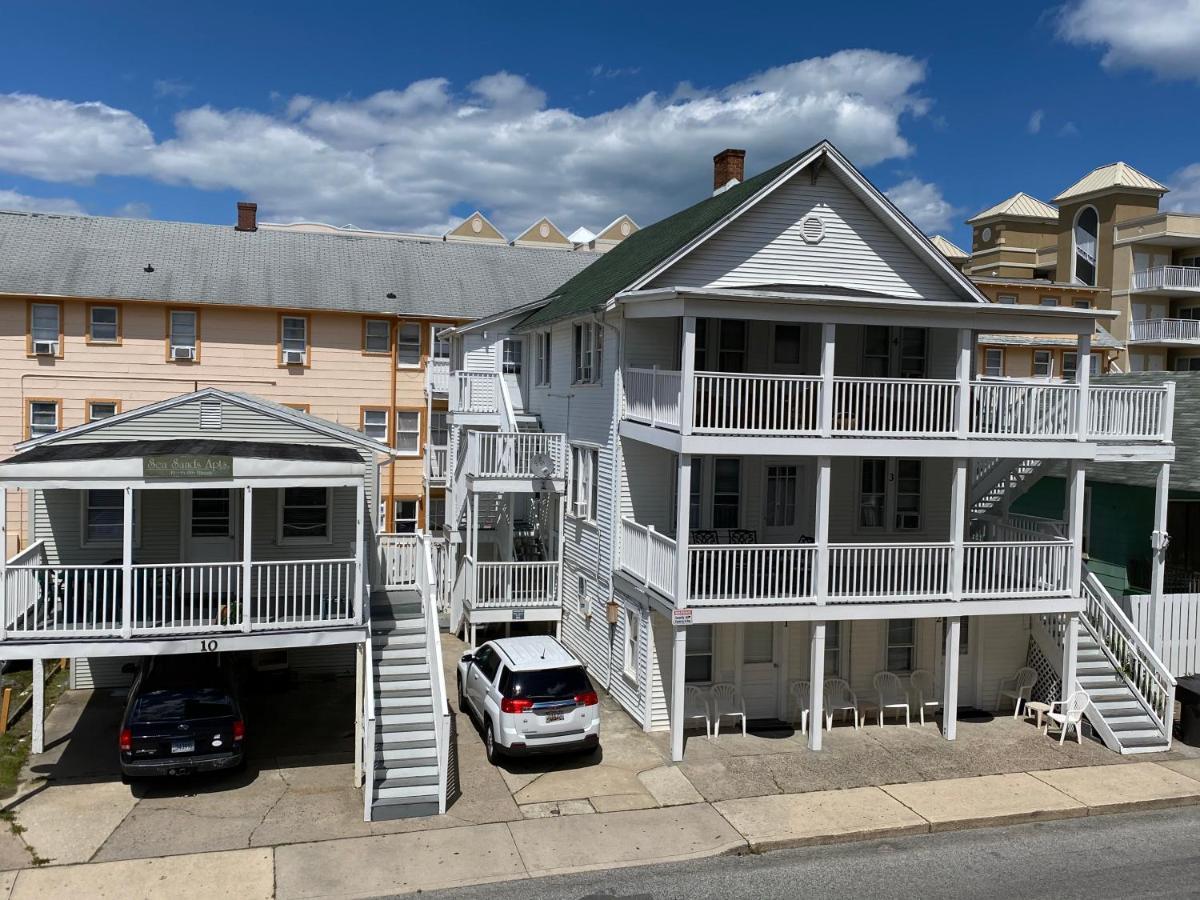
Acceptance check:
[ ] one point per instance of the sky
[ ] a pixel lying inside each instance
(405, 116)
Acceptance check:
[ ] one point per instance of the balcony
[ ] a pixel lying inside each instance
(1179, 332)
(436, 462)
(1026, 565)
(1180, 281)
(513, 585)
(733, 405)
(437, 376)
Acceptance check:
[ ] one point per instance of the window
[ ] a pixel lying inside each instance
(542, 353)
(781, 496)
(731, 346)
(211, 513)
(1186, 312)
(104, 325)
(293, 340)
(439, 347)
(182, 334)
(511, 353)
(908, 494)
(377, 335)
(788, 345)
(298, 407)
(585, 464)
(993, 361)
(1043, 363)
(103, 517)
(408, 430)
(894, 352)
(1006, 298)
(408, 345)
(1081, 304)
(437, 513)
(43, 417)
(375, 424)
(488, 663)
(404, 512)
(633, 633)
(912, 352)
(45, 327)
(102, 409)
(1085, 233)
(727, 490)
(1071, 364)
(890, 484)
(964, 636)
(698, 664)
(439, 428)
(1187, 364)
(589, 350)
(872, 495)
(901, 644)
(833, 649)
(304, 515)
(695, 503)
(1047, 301)
(701, 355)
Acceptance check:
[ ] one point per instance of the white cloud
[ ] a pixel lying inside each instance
(171, 87)
(1035, 121)
(405, 158)
(134, 209)
(1159, 35)
(14, 200)
(1069, 129)
(922, 201)
(1185, 189)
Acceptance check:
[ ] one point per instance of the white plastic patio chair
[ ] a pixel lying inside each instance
(1019, 687)
(801, 696)
(727, 701)
(1067, 714)
(923, 685)
(696, 706)
(839, 697)
(892, 695)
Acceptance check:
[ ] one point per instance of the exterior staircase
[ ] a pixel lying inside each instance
(1001, 480)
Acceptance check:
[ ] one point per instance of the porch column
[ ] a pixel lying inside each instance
(1070, 654)
(38, 744)
(247, 533)
(1159, 540)
(816, 685)
(963, 373)
(687, 371)
(958, 527)
(360, 547)
(1075, 497)
(127, 564)
(360, 671)
(821, 527)
(683, 525)
(3, 562)
(1083, 374)
(678, 686)
(950, 678)
(828, 355)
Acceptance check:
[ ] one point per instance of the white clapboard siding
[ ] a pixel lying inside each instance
(662, 636)
(764, 246)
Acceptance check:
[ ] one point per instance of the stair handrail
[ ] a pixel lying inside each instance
(369, 725)
(1134, 658)
(426, 581)
(508, 418)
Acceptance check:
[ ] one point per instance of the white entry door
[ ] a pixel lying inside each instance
(967, 641)
(761, 648)
(210, 525)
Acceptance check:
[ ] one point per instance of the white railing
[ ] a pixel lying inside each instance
(1139, 413)
(437, 459)
(302, 592)
(909, 407)
(735, 574)
(438, 375)
(426, 587)
(1160, 277)
(1018, 568)
(368, 750)
(756, 404)
(652, 396)
(47, 599)
(504, 585)
(1016, 527)
(1177, 631)
(1156, 331)
(515, 454)
(21, 591)
(475, 392)
(889, 571)
(398, 558)
(188, 597)
(1019, 409)
(648, 556)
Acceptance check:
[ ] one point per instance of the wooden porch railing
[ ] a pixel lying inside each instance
(515, 454)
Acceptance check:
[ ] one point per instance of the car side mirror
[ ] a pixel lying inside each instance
(468, 658)
(129, 669)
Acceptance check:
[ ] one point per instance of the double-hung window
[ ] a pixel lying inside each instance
(512, 352)
(293, 340)
(405, 513)
(731, 346)
(408, 430)
(408, 345)
(1071, 364)
(542, 358)
(727, 493)
(585, 465)
(1043, 363)
(439, 347)
(377, 335)
(104, 325)
(633, 633)
(901, 645)
(43, 417)
(304, 515)
(993, 361)
(890, 494)
(104, 517)
(696, 493)
(182, 334)
(45, 327)
(375, 424)
(589, 352)
(894, 352)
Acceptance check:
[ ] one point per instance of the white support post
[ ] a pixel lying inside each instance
(687, 373)
(360, 670)
(678, 686)
(3, 562)
(127, 564)
(360, 548)
(950, 678)
(1075, 497)
(39, 706)
(683, 528)
(1083, 373)
(828, 358)
(247, 563)
(958, 527)
(962, 373)
(1070, 655)
(821, 537)
(1159, 539)
(816, 685)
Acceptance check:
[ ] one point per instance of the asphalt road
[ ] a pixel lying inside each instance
(1154, 854)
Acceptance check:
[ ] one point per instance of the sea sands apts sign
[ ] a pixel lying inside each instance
(187, 465)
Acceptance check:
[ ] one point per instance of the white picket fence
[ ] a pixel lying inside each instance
(1176, 636)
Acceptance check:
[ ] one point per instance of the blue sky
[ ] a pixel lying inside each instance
(408, 116)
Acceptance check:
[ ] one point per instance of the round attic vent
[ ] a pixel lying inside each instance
(812, 229)
(625, 229)
(544, 230)
(477, 224)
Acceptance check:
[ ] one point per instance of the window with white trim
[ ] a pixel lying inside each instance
(294, 336)
(890, 491)
(541, 344)
(698, 665)
(43, 417)
(633, 635)
(439, 347)
(437, 514)
(377, 334)
(901, 645)
(375, 424)
(589, 352)
(103, 516)
(101, 409)
(44, 324)
(102, 324)
(1070, 364)
(404, 511)
(512, 352)
(408, 431)
(183, 329)
(408, 345)
(304, 515)
(1043, 363)
(894, 352)
(585, 466)
(439, 428)
(993, 361)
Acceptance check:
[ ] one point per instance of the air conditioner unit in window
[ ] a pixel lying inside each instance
(183, 353)
(45, 348)
(293, 357)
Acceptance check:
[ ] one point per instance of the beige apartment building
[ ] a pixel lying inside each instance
(104, 315)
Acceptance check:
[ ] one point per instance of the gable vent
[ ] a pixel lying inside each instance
(812, 229)
(210, 414)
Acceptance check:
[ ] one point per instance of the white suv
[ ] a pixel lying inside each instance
(530, 695)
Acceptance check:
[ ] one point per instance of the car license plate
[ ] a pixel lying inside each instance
(185, 746)
(555, 717)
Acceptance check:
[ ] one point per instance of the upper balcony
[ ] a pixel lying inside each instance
(1167, 332)
(1167, 281)
(437, 376)
(436, 465)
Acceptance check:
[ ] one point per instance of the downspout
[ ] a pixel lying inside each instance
(390, 510)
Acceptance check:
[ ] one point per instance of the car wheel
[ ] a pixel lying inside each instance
(489, 744)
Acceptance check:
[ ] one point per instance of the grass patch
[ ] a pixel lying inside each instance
(15, 743)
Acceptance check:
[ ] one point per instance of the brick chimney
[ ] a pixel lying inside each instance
(728, 165)
(247, 217)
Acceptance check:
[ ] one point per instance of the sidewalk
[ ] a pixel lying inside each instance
(475, 854)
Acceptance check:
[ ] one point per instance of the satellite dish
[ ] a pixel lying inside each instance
(542, 465)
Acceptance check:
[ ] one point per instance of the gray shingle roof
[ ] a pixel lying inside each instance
(93, 256)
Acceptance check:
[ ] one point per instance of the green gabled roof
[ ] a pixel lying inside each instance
(643, 250)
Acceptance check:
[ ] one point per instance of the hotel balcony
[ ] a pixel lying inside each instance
(1167, 332)
(1168, 281)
